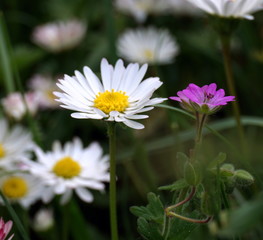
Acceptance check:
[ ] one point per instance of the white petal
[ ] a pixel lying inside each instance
(84, 194)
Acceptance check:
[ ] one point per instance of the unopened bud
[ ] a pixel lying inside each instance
(243, 178)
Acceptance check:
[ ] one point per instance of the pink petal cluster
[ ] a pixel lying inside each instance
(5, 229)
(204, 99)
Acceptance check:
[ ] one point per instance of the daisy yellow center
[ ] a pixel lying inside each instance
(149, 54)
(2, 151)
(67, 168)
(111, 101)
(15, 187)
(50, 95)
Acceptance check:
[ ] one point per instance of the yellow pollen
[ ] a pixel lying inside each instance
(149, 54)
(2, 151)
(15, 187)
(50, 95)
(111, 101)
(67, 168)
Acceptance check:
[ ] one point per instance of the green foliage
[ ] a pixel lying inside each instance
(178, 185)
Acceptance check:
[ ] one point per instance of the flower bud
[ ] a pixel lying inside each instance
(243, 178)
(43, 220)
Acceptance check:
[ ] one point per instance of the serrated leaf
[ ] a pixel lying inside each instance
(221, 157)
(180, 229)
(148, 230)
(178, 185)
(154, 211)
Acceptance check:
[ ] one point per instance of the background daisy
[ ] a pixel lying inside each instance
(71, 168)
(147, 45)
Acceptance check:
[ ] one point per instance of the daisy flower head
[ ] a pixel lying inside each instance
(147, 45)
(229, 8)
(59, 36)
(15, 145)
(16, 105)
(204, 99)
(183, 7)
(22, 188)
(140, 9)
(5, 229)
(71, 168)
(121, 96)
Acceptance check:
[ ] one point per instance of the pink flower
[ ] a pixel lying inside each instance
(15, 107)
(204, 99)
(5, 229)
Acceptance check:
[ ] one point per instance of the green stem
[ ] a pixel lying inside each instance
(110, 28)
(200, 122)
(113, 209)
(14, 216)
(5, 57)
(173, 214)
(167, 227)
(225, 43)
(190, 196)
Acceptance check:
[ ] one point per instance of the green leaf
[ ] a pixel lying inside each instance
(182, 157)
(154, 211)
(178, 185)
(180, 229)
(219, 159)
(245, 218)
(148, 230)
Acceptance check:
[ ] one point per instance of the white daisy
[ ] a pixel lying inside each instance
(43, 86)
(71, 167)
(60, 35)
(15, 145)
(120, 97)
(229, 8)
(183, 7)
(21, 188)
(140, 9)
(147, 45)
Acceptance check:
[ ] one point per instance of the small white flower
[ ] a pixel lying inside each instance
(71, 167)
(140, 9)
(15, 107)
(183, 7)
(15, 145)
(43, 220)
(121, 96)
(60, 35)
(229, 8)
(21, 188)
(147, 45)
(43, 86)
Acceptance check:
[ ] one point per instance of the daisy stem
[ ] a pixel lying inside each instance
(225, 43)
(15, 218)
(113, 209)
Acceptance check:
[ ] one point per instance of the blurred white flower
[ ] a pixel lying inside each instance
(44, 86)
(183, 7)
(147, 45)
(229, 8)
(21, 188)
(15, 107)
(140, 9)
(43, 220)
(71, 167)
(15, 145)
(121, 96)
(60, 35)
